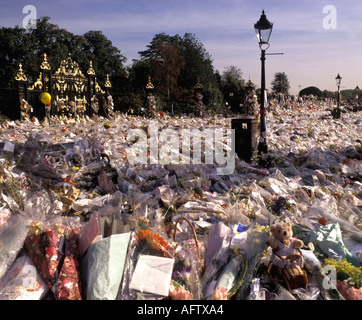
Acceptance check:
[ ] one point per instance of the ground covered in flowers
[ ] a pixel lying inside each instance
(70, 198)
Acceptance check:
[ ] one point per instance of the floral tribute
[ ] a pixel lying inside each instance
(68, 284)
(55, 253)
(152, 243)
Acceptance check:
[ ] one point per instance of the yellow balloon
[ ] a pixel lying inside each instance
(45, 98)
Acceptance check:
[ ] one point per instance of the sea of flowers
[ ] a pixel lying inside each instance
(79, 221)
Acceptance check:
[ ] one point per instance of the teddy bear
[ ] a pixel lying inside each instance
(284, 245)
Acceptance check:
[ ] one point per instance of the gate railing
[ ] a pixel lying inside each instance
(71, 91)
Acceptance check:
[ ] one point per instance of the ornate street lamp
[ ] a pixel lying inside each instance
(337, 112)
(338, 81)
(263, 29)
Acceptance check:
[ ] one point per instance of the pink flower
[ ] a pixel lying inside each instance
(179, 293)
(220, 294)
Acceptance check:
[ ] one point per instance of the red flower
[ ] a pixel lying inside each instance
(51, 251)
(322, 220)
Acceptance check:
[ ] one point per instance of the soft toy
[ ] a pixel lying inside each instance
(285, 247)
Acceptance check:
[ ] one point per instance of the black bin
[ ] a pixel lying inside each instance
(246, 137)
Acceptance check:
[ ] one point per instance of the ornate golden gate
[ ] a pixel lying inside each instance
(71, 91)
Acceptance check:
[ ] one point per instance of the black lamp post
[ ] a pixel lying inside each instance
(263, 29)
(338, 83)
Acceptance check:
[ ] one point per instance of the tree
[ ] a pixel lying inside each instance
(27, 47)
(14, 48)
(280, 84)
(176, 63)
(137, 75)
(198, 62)
(328, 94)
(311, 90)
(233, 86)
(18, 45)
(167, 66)
(107, 59)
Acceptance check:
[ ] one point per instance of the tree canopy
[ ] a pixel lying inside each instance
(280, 84)
(18, 45)
(311, 91)
(175, 65)
(174, 62)
(233, 87)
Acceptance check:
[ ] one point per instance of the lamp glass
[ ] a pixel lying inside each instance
(263, 29)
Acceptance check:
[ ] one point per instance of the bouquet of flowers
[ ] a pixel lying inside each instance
(254, 248)
(151, 243)
(148, 254)
(55, 253)
(186, 274)
(231, 270)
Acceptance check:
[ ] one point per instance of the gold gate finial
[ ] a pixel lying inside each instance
(198, 85)
(108, 83)
(149, 84)
(91, 70)
(20, 76)
(45, 64)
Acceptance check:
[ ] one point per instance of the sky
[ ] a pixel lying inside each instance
(318, 38)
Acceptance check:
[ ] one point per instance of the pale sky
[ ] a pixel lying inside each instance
(317, 44)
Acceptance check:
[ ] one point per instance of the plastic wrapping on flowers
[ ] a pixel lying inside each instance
(194, 233)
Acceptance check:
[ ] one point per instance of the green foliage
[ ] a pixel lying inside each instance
(132, 100)
(233, 87)
(214, 100)
(280, 84)
(348, 94)
(14, 47)
(27, 47)
(175, 63)
(311, 91)
(329, 94)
